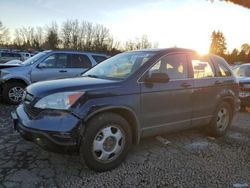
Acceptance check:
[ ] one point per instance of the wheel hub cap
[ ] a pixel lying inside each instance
(108, 144)
(16, 94)
(223, 119)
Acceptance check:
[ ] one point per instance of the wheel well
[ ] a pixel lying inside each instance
(130, 117)
(15, 81)
(230, 102)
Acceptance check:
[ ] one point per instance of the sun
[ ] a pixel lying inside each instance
(202, 49)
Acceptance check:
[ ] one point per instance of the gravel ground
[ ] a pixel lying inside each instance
(190, 159)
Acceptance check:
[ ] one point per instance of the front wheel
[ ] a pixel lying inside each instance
(13, 92)
(221, 120)
(106, 142)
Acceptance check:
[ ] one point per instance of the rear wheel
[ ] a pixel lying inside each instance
(221, 120)
(13, 92)
(106, 142)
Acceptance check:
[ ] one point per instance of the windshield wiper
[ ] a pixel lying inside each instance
(92, 76)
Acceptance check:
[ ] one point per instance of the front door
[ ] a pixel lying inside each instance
(166, 106)
(53, 67)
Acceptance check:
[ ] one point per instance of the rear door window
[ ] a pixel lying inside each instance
(99, 58)
(202, 67)
(80, 61)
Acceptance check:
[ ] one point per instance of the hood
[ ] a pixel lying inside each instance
(4, 66)
(13, 62)
(45, 88)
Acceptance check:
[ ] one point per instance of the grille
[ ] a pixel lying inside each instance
(30, 110)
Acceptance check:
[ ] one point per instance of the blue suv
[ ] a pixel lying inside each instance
(127, 97)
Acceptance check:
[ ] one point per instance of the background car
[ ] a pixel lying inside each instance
(243, 75)
(47, 65)
(13, 62)
(8, 56)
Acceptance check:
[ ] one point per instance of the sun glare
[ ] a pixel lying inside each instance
(201, 49)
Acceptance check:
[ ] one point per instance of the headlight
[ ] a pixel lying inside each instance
(59, 100)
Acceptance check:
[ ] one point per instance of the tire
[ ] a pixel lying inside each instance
(12, 92)
(222, 120)
(106, 142)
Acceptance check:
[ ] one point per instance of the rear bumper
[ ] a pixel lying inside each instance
(49, 139)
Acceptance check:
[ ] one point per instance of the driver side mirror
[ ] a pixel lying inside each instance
(42, 65)
(156, 78)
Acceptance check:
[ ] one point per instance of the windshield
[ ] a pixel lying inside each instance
(120, 66)
(242, 71)
(33, 59)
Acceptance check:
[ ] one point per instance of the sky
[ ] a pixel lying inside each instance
(181, 23)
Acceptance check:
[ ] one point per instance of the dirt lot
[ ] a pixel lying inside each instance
(191, 159)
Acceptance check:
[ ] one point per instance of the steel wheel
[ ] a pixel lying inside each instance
(15, 94)
(108, 144)
(223, 119)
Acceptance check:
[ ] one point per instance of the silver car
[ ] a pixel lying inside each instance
(46, 65)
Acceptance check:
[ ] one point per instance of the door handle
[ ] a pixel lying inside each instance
(185, 84)
(62, 71)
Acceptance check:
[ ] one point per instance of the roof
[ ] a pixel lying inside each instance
(166, 50)
(75, 51)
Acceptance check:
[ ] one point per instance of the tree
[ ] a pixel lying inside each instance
(52, 38)
(4, 34)
(244, 3)
(27, 37)
(140, 43)
(102, 40)
(245, 48)
(66, 31)
(218, 44)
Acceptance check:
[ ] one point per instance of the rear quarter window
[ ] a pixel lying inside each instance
(222, 70)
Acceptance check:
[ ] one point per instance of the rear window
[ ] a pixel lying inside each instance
(17, 55)
(10, 55)
(99, 58)
(5, 55)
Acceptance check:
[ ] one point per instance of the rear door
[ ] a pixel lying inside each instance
(79, 63)
(168, 105)
(53, 67)
(205, 89)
